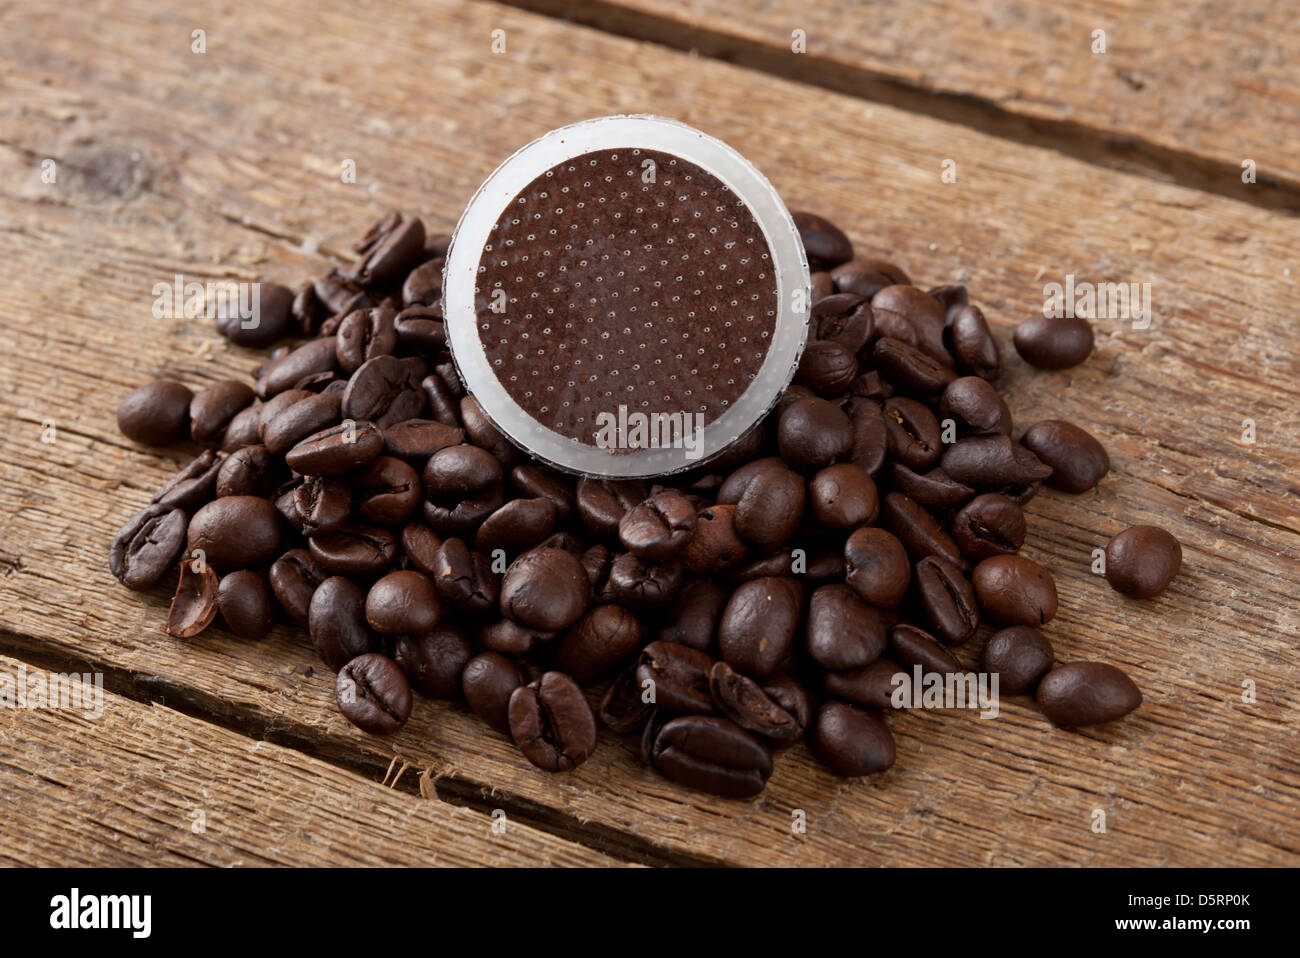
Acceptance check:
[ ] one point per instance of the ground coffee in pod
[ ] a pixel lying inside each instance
(626, 297)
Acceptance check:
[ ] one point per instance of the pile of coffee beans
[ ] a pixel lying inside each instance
(869, 524)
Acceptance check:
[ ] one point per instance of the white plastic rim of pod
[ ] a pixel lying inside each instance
(793, 287)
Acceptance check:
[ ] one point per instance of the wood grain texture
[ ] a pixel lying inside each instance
(227, 164)
(1183, 90)
(129, 783)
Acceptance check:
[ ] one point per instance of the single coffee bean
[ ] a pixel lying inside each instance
(813, 433)
(948, 599)
(421, 329)
(843, 496)
(365, 334)
(640, 584)
(463, 486)
(244, 600)
(420, 545)
(973, 344)
(517, 526)
(823, 241)
(1019, 656)
(624, 707)
(600, 641)
(602, 503)
(484, 434)
(743, 701)
(989, 525)
(871, 686)
(933, 490)
(510, 638)
(307, 310)
(919, 532)
(769, 500)
(269, 410)
(322, 504)
(552, 723)
(714, 545)
(434, 659)
(156, 414)
(316, 356)
(334, 451)
(354, 549)
(975, 406)
(693, 617)
(242, 430)
(194, 605)
(877, 567)
(373, 694)
(384, 390)
(443, 404)
(660, 527)
(340, 295)
(852, 741)
(1087, 693)
(393, 247)
(845, 319)
(386, 492)
(147, 546)
(1142, 560)
(212, 408)
(789, 693)
(268, 320)
(464, 578)
(951, 297)
(843, 632)
(415, 440)
(909, 368)
(678, 675)
(912, 434)
(533, 482)
(991, 462)
(826, 367)
(403, 601)
(237, 532)
(865, 276)
(294, 578)
(251, 471)
(299, 420)
(193, 486)
(756, 634)
(1054, 342)
(546, 589)
(336, 619)
(1014, 590)
(911, 646)
(921, 311)
(1078, 461)
(424, 283)
(487, 682)
(713, 755)
(870, 441)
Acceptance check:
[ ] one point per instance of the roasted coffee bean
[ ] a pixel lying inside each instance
(212, 408)
(354, 549)
(244, 600)
(1142, 560)
(823, 241)
(487, 682)
(826, 367)
(919, 532)
(194, 605)
(322, 504)
(193, 486)
(1019, 656)
(865, 276)
(908, 368)
(242, 430)
(744, 702)
(334, 451)
(933, 490)
(602, 503)
(870, 441)
(566, 541)
(822, 285)
(510, 638)
(813, 433)
(421, 328)
(756, 633)
(973, 344)
(156, 414)
(843, 496)
(951, 297)
(1054, 342)
(420, 545)
(948, 599)
(911, 646)
(384, 390)
(714, 545)
(660, 527)
(871, 385)
(434, 659)
(237, 532)
(340, 295)
(643, 583)
(294, 578)
(442, 402)
(852, 741)
(678, 676)
(403, 601)
(912, 434)
(316, 356)
(922, 312)
(713, 755)
(871, 686)
(992, 462)
(604, 638)
(534, 482)
(518, 525)
(989, 525)
(308, 416)
(147, 546)
(464, 578)
(552, 723)
(1078, 461)
(769, 501)
(251, 471)
(393, 247)
(1014, 590)
(975, 406)
(546, 589)
(386, 492)
(1087, 693)
(267, 411)
(787, 692)
(623, 707)
(365, 334)
(843, 631)
(373, 694)
(844, 319)
(693, 617)
(484, 434)
(463, 484)
(259, 323)
(336, 619)
(423, 285)
(415, 440)
(877, 567)
(307, 309)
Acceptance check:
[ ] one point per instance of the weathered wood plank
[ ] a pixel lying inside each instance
(1196, 777)
(141, 784)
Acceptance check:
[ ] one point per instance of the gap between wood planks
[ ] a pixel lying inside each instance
(1125, 153)
(448, 786)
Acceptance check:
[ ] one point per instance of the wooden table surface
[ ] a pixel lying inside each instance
(1115, 167)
